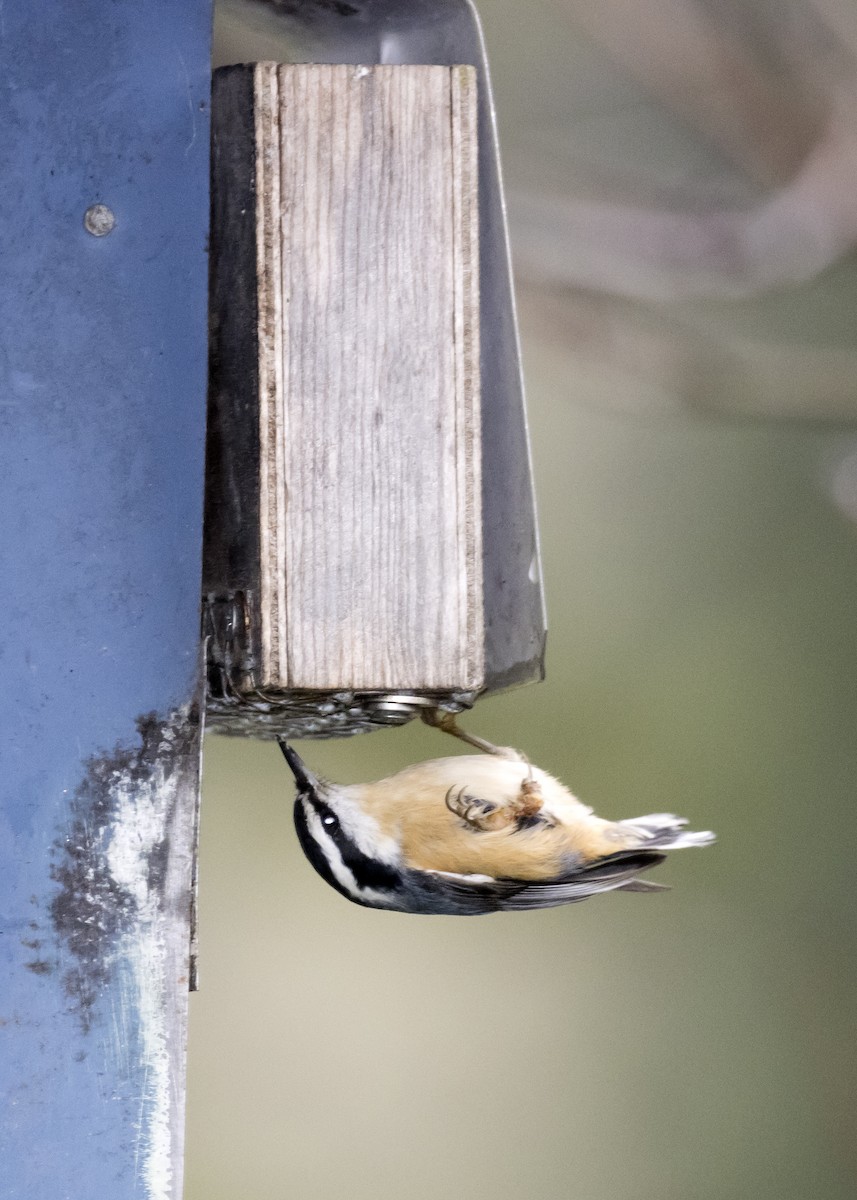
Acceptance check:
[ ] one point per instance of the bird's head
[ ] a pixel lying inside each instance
(342, 841)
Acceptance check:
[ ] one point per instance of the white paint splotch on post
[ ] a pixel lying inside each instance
(123, 916)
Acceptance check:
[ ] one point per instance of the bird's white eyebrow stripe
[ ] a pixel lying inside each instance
(370, 882)
(310, 838)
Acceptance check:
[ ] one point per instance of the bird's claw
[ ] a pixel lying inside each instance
(480, 814)
(484, 815)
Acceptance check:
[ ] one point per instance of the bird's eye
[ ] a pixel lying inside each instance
(330, 822)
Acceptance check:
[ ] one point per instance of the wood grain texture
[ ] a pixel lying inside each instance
(367, 270)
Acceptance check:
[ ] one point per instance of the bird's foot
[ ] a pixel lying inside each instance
(480, 814)
(484, 815)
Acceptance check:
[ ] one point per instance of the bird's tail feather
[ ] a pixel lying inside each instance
(617, 872)
(665, 831)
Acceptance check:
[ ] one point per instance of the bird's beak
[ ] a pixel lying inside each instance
(305, 780)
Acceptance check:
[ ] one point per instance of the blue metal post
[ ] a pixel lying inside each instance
(104, 144)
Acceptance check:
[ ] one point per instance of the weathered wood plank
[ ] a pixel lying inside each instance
(365, 255)
(365, 226)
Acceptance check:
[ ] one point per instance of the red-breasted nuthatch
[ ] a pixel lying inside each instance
(473, 834)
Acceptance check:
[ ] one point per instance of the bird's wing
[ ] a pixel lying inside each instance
(617, 873)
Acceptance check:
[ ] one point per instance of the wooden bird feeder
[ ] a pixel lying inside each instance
(370, 543)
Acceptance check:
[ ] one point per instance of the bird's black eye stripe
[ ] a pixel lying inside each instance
(367, 872)
(313, 851)
(329, 819)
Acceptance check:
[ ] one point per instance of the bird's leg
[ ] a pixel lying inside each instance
(530, 799)
(439, 718)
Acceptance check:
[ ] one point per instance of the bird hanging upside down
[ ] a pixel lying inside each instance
(473, 834)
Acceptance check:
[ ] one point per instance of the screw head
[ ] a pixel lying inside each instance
(99, 220)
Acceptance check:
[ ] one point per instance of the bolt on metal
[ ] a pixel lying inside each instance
(99, 220)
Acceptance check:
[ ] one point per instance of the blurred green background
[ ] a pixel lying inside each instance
(701, 572)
